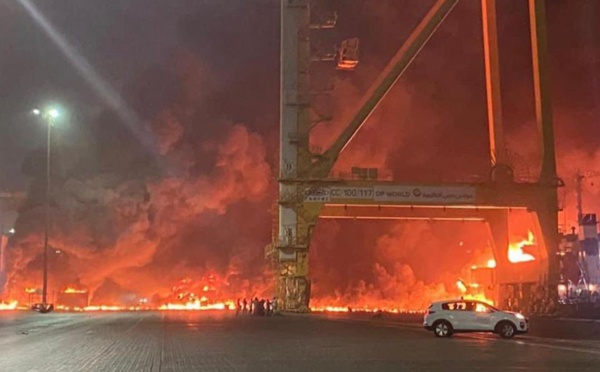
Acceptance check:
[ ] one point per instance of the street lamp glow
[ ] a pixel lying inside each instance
(50, 113)
(53, 113)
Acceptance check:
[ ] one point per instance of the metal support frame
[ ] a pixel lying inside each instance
(548, 211)
(47, 213)
(386, 80)
(541, 85)
(294, 153)
(492, 81)
(301, 169)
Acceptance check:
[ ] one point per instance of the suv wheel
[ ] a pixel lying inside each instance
(506, 329)
(442, 328)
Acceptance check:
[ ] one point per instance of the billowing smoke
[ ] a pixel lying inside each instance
(136, 227)
(125, 224)
(131, 232)
(394, 265)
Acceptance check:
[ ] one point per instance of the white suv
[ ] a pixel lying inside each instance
(447, 317)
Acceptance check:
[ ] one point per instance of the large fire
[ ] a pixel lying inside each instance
(209, 292)
(155, 231)
(515, 250)
(472, 292)
(417, 299)
(121, 228)
(398, 292)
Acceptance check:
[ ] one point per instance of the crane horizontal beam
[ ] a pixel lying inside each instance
(447, 196)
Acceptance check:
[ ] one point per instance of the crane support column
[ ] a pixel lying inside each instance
(291, 245)
(541, 84)
(492, 80)
(548, 210)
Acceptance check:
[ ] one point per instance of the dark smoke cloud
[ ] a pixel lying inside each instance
(133, 225)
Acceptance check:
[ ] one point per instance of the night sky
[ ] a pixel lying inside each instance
(133, 44)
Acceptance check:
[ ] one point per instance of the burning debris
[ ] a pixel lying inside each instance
(409, 265)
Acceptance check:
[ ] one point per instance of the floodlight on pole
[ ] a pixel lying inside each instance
(53, 113)
(49, 115)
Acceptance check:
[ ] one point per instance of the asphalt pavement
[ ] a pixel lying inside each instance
(220, 341)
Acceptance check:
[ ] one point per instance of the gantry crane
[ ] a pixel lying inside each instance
(308, 191)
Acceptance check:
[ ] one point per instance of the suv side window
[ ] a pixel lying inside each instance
(455, 306)
(482, 308)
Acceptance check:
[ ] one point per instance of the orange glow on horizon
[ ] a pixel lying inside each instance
(71, 290)
(199, 306)
(191, 306)
(478, 297)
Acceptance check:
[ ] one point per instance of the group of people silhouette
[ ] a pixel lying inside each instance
(257, 307)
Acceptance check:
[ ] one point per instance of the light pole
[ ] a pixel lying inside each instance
(49, 115)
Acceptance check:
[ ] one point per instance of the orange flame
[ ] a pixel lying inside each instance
(71, 290)
(461, 286)
(472, 292)
(8, 306)
(478, 297)
(198, 305)
(340, 309)
(105, 308)
(515, 250)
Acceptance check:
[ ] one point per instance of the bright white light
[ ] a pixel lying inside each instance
(11, 231)
(519, 316)
(48, 113)
(110, 96)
